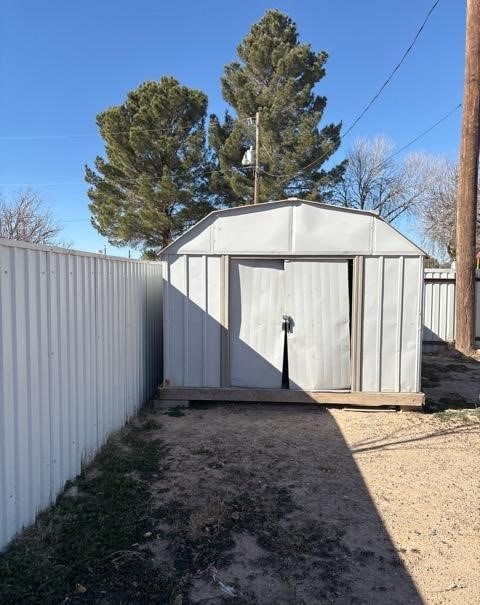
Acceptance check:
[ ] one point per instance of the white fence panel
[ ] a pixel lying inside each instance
(439, 309)
(80, 351)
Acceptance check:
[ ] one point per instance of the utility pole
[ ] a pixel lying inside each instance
(468, 185)
(257, 158)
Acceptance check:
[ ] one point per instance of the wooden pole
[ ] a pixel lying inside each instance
(257, 157)
(467, 188)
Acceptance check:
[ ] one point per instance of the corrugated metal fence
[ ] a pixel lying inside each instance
(80, 351)
(439, 309)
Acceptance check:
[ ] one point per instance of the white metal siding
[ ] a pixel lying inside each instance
(439, 308)
(192, 310)
(269, 231)
(292, 227)
(391, 324)
(196, 294)
(319, 346)
(257, 305)
(80, 350)
(324, 230)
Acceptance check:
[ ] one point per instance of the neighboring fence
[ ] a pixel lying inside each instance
(80, 351)
(439, 309)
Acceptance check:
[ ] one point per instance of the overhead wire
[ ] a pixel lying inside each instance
(411, 142)
(59, 183)
(369, 104)
(94, 134)
(82, 135)
(249, 120)
(395, 69)
(422, 134)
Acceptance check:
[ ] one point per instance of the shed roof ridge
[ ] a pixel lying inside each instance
(263, 205)
(210, 219)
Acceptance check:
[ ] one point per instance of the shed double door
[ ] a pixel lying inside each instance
(315, 295)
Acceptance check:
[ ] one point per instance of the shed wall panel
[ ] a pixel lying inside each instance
(391, 324)
(212, 325)
(387, 240)
(260, 233)
(330, 231)
(195, 321)
(411, 326)
(192, 320)
(372, 318)
(391, 303)
(64, 321)
(176, 321)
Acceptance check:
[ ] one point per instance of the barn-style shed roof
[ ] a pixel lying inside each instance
(293, 227)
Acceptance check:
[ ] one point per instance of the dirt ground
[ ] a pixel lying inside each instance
(256, 504)
(299, 504)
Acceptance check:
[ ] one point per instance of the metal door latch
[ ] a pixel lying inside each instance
(287, 324)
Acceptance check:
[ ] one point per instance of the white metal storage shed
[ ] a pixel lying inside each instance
(293, 301)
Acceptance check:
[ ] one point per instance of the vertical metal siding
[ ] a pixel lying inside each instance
(257, 304)
(391, 324)
(192, 305)
(391, 321)
(319, 347)
(411, 357)
(439, 309)
(80, 351)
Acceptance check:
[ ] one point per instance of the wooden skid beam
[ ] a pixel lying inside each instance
(363, 399)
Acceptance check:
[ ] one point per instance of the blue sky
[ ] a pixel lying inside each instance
(62, 62)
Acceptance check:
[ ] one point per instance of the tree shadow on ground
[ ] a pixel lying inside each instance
(450, 380)
(246, 504)
(268, 501)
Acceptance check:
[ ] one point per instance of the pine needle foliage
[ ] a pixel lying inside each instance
(276, 76)
(152, 183)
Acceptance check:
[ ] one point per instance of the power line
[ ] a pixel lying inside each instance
(422, 134)
(390, 157)
(247, 120)
(404, 56)
(59, 183)
(83, 135)
(414, 140)
(371, 102)
(126, 181)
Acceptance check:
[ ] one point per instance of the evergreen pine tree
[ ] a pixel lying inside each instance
(154, 181)
(275, 76)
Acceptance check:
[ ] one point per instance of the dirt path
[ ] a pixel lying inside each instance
(295, 504)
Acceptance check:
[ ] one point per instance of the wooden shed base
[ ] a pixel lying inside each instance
(405, 401)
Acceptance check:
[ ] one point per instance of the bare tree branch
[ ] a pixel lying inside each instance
(25, 219)
(438, 215)
(374, 181)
